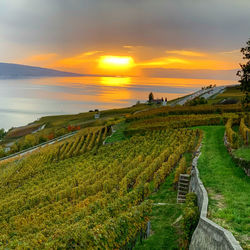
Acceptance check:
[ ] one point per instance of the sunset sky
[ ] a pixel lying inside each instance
(160, 38)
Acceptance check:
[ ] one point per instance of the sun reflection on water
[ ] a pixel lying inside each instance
(115, 81)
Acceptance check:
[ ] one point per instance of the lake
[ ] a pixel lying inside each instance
(25, 100)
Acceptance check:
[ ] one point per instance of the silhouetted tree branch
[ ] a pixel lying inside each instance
(244, 73)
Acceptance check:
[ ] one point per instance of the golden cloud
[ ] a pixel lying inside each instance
(231, 51)
(79, 59)
(40, 58)
(163, 62)
(185, 53)
(91, 53)
(128, 47)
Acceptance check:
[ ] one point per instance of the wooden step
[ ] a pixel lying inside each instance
(182, 196)
(183, 188)
(184, 180)
(184, 185)
(181, 200)
(184, 176)
(182, 193)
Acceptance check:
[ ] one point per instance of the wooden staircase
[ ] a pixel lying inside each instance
(183, 187)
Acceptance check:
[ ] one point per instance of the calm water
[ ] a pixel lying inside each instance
(25, 100)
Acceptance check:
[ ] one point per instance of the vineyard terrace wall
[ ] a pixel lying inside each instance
(207, 235)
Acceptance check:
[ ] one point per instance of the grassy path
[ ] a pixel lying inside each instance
(227, 185)
(164, 219)
(243, 152)
(118, 135)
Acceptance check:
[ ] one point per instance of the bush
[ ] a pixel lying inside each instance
(190, 216)
(196, 101)
(232, 137)
(244, 130)
(2, 133)
(181, 169)
(2, 153)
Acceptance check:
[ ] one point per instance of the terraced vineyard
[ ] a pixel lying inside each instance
(95, 200)
(79, 144)
(180, 121)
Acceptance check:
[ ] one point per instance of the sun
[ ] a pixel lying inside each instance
(116, 62)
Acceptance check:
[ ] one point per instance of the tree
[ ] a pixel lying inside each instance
(29, 141)
(15, 147)
(150, 97)
(244, 73)
(51, 136)
(2, 153)
(2, 133)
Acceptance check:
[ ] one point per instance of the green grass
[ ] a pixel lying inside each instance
(243, 152)
(165, 233)
(118, 135)
(229, 93)
(228, 186)
(188, 157)
(81, 118)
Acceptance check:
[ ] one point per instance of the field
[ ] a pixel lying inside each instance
(165, 219)
(49, 205)
(102, 187)
(230, 94)
(50, 127)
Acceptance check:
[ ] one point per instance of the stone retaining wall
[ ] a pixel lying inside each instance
(207, 235)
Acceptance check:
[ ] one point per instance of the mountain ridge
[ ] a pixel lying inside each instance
(13, 70)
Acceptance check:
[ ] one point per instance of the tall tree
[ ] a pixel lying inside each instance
(1, 152)
(2, 133)
(244, 73)
(150, 97)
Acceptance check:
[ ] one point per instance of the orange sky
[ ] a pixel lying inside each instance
(155, 35)
(139, 57)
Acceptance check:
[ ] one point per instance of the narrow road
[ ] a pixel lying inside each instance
(206, 93)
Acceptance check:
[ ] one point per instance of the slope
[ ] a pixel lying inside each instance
(227, 185)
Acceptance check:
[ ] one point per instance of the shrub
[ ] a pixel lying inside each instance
(244, 130)
(181, 169)
(196, 101)
(232, 137)
(190, 215)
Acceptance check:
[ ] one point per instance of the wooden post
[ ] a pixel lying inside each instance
(247, 137)
(148, 229)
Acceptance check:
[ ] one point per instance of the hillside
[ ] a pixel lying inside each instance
(10, 70)
(228, 193)
(104, 186)
(54, 202)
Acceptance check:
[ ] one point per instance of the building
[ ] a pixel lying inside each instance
(97, 116)
(159, 101)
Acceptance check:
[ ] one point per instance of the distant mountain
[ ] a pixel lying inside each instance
(10, 70)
